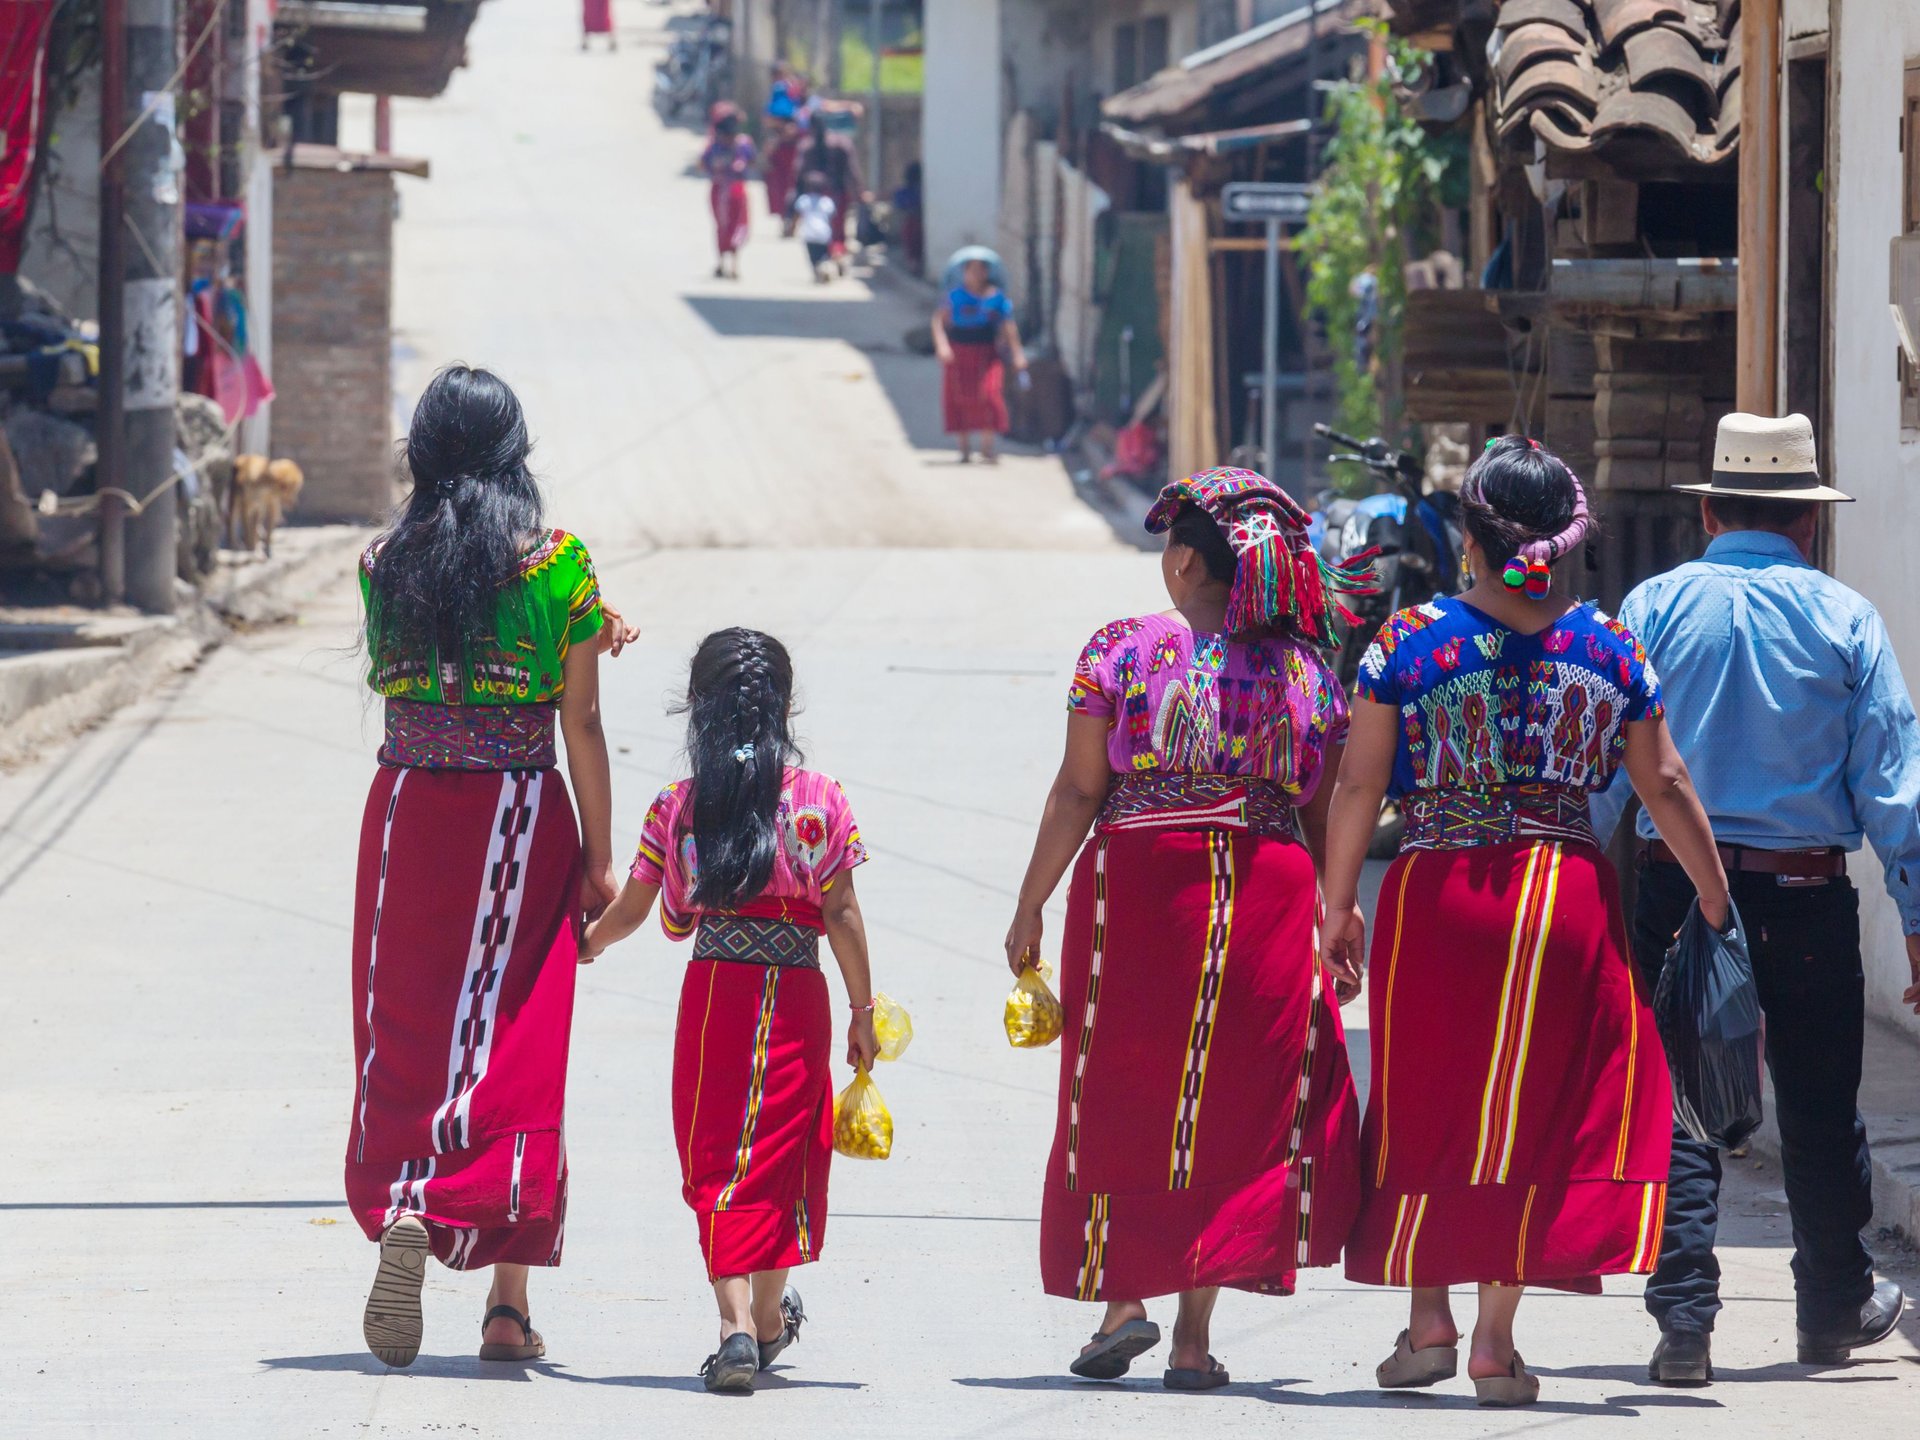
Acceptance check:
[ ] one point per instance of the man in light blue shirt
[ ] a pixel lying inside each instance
(1786, 702)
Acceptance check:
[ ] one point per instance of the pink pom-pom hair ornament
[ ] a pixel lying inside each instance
(1281, 585)
(1531, 568)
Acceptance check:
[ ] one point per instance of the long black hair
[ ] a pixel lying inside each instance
(460, 535)
(739, 738)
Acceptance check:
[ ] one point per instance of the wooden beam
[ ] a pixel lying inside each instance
(1257, 244)
(1757, 379)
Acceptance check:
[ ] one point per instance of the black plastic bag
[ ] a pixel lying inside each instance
(1709, 1016)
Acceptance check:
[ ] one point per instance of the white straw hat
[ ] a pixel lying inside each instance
(1765, 459)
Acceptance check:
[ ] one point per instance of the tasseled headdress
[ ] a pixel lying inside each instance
(1281, 583)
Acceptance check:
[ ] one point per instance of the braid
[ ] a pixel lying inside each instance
(739, 741)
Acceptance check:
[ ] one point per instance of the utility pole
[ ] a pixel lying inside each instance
(110, 465)
(1757, 323)
(873, 94)
(148, 283)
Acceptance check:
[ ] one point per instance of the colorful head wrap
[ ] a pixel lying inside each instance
(1281, 583)
(1531, 568)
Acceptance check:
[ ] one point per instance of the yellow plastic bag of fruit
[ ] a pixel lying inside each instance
(892, 1026)
(1033, 1013)
(862, 1127)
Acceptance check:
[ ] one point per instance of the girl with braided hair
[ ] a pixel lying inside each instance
(1519, 1117)
(752, 857)
(1207, 1129)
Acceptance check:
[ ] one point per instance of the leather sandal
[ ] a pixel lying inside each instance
(1411, 1369)
(533, 1347)
(1520, 1386)
(391, 1322)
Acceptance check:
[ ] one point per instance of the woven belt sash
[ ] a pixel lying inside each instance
(468, 737)
(756, 940)
(1496, 815)
(1195, 802)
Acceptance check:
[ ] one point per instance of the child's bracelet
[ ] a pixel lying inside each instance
(866, 1009)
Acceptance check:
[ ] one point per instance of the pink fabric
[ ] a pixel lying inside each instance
(1185, 704)
(819, 840)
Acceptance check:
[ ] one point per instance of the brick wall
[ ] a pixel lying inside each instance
(332, 338)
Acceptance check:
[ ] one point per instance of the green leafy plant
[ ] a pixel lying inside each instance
(1376, 198)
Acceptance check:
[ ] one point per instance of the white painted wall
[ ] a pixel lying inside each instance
(1872, 43)
(960, 126)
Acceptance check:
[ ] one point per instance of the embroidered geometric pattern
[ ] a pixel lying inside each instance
(1195, 802)
(1206, 1006)
(756, 1088)
(752, 940)
(1092, 1009)
(1495, 815)
(468, 737)
(1093, 1265)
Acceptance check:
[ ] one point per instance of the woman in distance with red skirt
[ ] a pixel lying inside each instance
(482, 627)
(727, 159)
(1520, 1113)
(970, 331)
(1207, 1127)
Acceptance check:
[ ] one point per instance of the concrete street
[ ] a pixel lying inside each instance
(175, 902)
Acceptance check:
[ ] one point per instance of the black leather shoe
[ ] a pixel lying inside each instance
(1683, 1357)
(1876, 1321)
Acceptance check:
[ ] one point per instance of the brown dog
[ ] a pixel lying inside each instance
(263, 491)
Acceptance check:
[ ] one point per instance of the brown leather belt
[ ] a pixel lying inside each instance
(1825, 863)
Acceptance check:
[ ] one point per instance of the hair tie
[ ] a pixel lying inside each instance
(743, 753)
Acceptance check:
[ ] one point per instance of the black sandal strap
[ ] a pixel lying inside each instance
(507, 1312)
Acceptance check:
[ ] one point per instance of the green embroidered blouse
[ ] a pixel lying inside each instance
(554, 605)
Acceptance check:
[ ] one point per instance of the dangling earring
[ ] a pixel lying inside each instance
(1466, 569)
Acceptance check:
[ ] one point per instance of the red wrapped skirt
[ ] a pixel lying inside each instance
(732, 218)
(973, 391)
(1519, 1122)
(753, 1112)
(464, 956)
(1207, 1131)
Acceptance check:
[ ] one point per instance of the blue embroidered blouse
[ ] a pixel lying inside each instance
(1484, 705)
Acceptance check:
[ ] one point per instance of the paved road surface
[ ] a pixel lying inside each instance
(175, 901)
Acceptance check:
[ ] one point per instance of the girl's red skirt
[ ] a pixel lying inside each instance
(1520, 1116)
(783, 157)
(732, 218)
(596, 16)
(753, 1112)
(973, 391)
(464, 956)
(1207, 1126)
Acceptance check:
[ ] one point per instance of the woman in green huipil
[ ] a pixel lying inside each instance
(482, 627)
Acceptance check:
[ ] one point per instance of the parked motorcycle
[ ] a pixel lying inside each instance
(1419, 537)
(695, 73)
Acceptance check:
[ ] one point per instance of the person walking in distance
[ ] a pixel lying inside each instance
(726, 160)
(972, 330)
(1790, 711)
(813, 219)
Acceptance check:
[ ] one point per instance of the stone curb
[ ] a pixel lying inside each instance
(65, 678)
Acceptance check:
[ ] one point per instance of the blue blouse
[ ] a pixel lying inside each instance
(1483, 705)
(979, 312)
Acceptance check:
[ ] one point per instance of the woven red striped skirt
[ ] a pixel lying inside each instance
(464, 955)
(1518, 1126)
(1207, 1125)
(732, 219)
(973, 391)
(783, 158)
(753, 1112)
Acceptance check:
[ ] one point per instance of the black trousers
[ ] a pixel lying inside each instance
(1805, 943)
